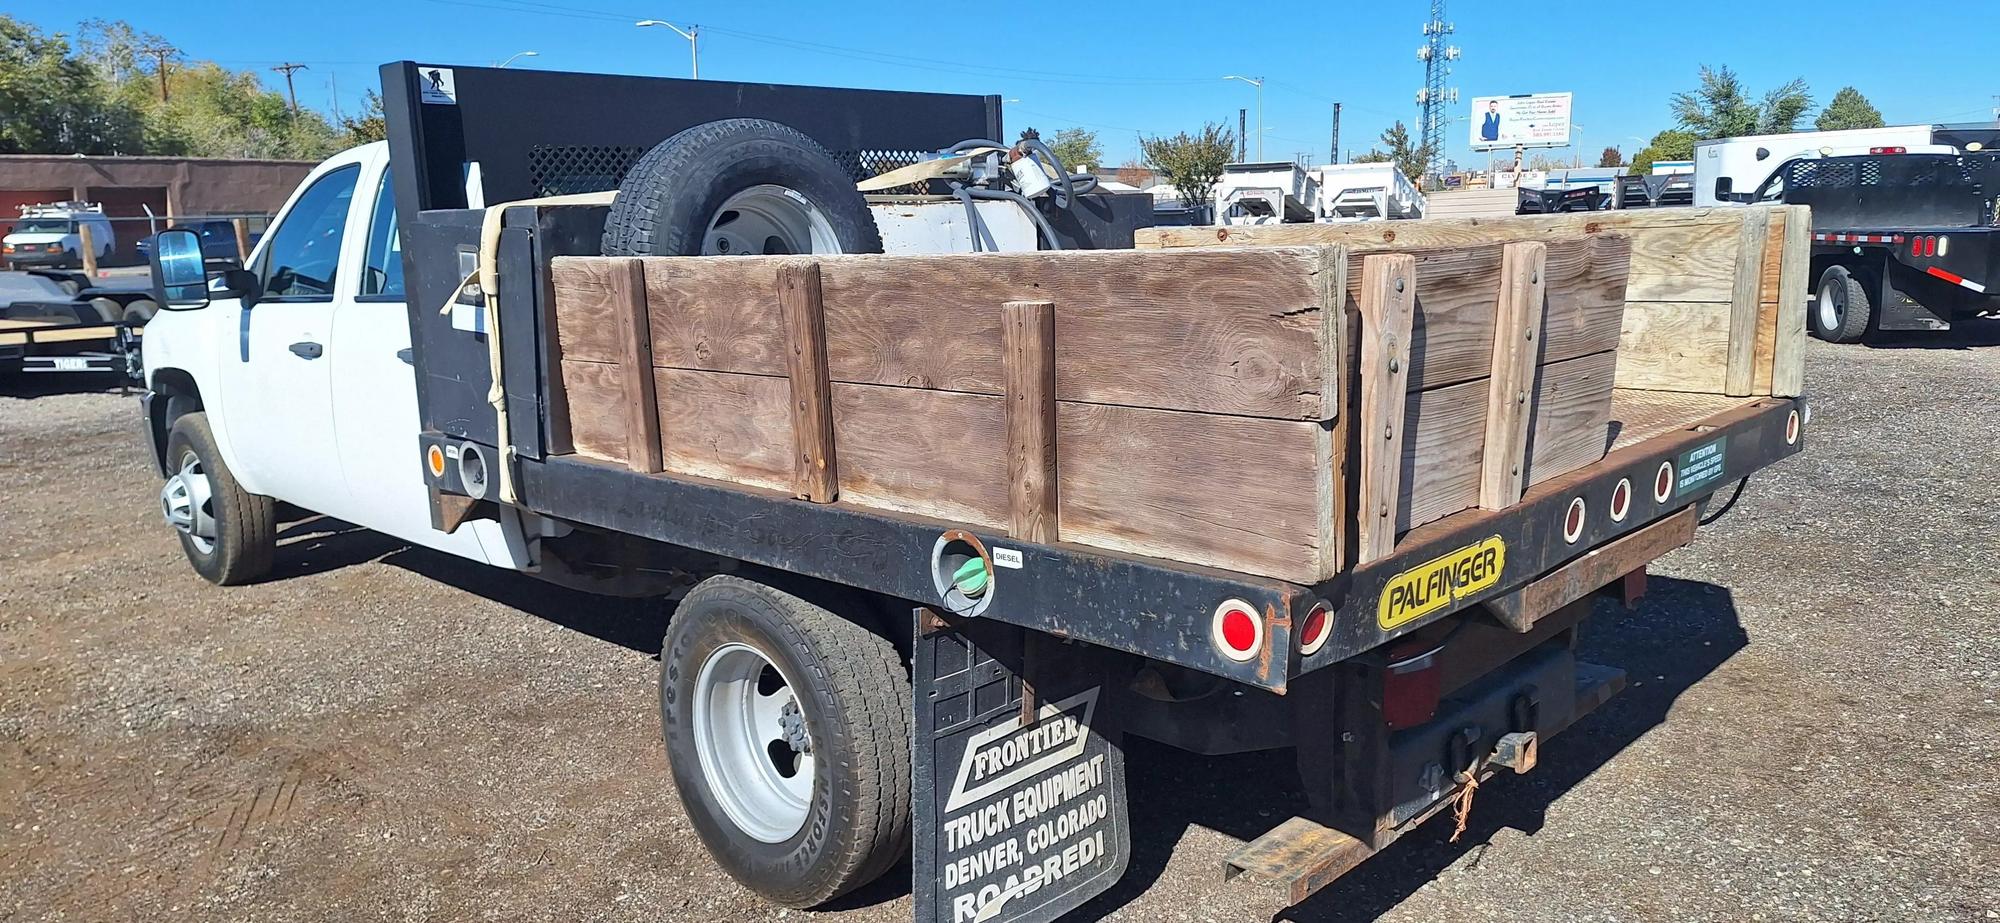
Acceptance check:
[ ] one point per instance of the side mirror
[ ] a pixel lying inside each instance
(180, 280)
(1723, 186)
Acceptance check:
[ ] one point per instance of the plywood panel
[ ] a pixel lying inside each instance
(1235, 332)
(1679, 254)
(1458, 294)
(726, 426)
(718, 314)
(939, 454)
(1230, 492)
(586, 308)
(1674, 346)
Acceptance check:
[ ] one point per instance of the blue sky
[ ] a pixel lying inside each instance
(1153, 68)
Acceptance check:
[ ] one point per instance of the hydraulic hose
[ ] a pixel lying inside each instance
(1067, 187)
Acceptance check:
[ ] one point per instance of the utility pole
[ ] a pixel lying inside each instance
(159, 50)
(1242, 135)
(333, 81)
(287, 70)
(1335, 147)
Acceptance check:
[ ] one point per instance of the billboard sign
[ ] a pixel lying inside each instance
(1529, 120)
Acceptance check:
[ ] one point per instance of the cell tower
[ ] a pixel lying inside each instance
(1435, 96)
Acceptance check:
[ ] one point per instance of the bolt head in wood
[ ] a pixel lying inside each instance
(1388, 432)
(1399, 285)
(1395, 365)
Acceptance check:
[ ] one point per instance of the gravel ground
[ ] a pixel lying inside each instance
(389, 734)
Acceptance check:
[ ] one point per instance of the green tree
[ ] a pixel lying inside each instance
(1409, 157)
(1722, 108)
(1849, 109)
(1671, 144)
(370, 125)
(1191, 163)
(51, 102)
(1373, 156)
(1611, 158)
(1077, 148)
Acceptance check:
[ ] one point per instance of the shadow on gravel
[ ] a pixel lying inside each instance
(321, 544)
(1965, 334)
(29, 386)
(1679, 633)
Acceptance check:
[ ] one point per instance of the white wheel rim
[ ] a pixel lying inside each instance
(766, 220)
(188, 503)
(1830, 308)
(749, 731)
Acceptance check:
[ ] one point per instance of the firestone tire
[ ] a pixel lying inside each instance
(1842, 311)
(670, 201)
(848, 694)
(245, 524)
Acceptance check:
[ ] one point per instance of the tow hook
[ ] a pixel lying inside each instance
(1517, 751)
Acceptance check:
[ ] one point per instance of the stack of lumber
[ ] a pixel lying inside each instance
(1199, 405)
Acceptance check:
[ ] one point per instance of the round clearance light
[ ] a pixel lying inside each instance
(1573, 521)
(1236, 630)
(1663, 482)
(1792, 427)
(1314, 631)
(1621, 500)
(435, 459)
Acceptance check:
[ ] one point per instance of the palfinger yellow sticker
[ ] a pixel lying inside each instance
(1434, 584)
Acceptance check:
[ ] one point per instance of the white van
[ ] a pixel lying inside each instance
(51, 235)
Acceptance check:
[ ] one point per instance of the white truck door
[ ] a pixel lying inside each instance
(276, 388)
(375, 392)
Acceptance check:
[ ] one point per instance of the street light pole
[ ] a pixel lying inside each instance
(518, 54)
(1257, 82)
(692, 33)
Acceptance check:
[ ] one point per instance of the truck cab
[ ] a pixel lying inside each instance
(298, 369)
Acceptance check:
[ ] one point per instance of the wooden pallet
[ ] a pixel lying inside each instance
(1198, 405)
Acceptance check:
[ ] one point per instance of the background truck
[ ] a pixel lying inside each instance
(968, 521)
(1900, 241)
(1726, 168)
(57, 235)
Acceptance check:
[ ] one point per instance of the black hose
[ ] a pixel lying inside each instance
(1069, 186)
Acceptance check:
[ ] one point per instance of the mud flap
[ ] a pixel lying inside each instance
(1016, 821)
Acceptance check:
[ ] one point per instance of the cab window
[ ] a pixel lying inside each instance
(382, 271)
(304, 251)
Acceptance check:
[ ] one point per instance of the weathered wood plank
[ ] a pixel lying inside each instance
(719, 314)
(1388, 304)
(626, 281)
(926, 452)
(1240, 330)
(1516, 347)
(1674, 347)
(727, 426)
(816, 470)
(1739, 376)
(1444, 441)
(1788, 358)
(586, 314)
(596, 396)
(1028, 331)
(1678, 254)
(1452, 334)
(1231, 492)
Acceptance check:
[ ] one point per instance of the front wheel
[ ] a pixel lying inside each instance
(1842, 310)
(788, 729)
(228, 533)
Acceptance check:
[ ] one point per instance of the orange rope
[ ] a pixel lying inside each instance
(1462, 808)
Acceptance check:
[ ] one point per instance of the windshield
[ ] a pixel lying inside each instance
(44, 226)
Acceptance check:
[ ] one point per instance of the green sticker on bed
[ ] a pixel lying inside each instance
(1701, 466)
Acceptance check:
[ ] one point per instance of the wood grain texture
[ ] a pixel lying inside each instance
(727, 426)
(596, 394)
(1678, 254)
(718, 314)
(1670, 346)
(1231, 492)
(1028, 334)
(925, 452)
(586, 312)
(1445, 428)
(815, 468)
(1739, 373)
(1387, 301)
(625, 280)
(1240, 330)
(1452, 335)
(1516, 347)
(1788, 358)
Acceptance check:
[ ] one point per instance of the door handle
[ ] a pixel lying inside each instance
(408, 357)
(307, 350)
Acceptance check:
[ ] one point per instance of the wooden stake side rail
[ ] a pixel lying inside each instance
(1716, 297)
(1198, 406)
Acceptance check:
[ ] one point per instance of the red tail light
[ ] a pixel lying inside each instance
(1888, 150)
(1313, 632)
(1411, 684)
(1930, 246)
(1236, 631)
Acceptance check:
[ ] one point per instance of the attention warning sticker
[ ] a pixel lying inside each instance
(1701, 466)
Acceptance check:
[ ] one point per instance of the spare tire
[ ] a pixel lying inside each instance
(738, 186)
